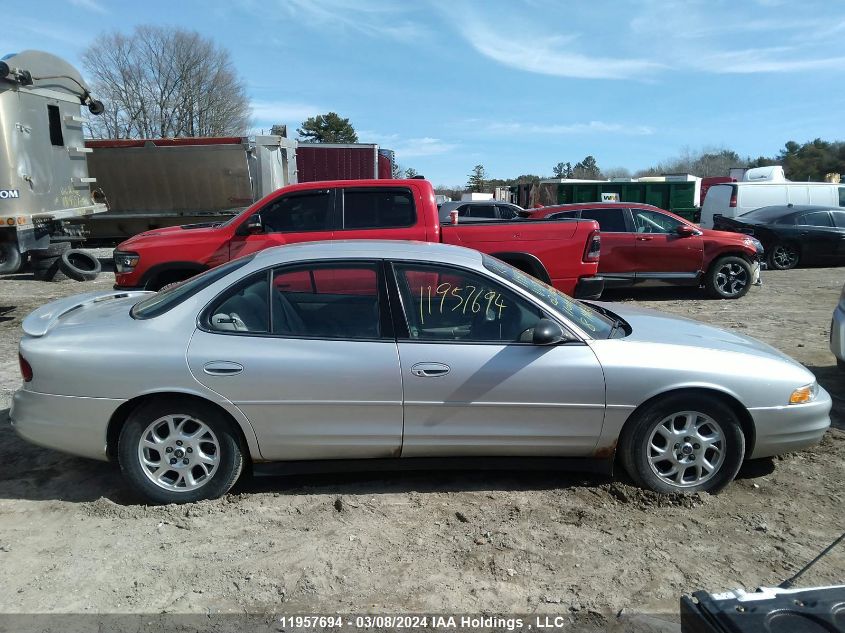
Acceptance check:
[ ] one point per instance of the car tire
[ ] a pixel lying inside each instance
(10, 258)
(45, 268)
(208, 442)
(691, 421)
(54, 249)
(79, 265)
(729, 278)
(784, 256)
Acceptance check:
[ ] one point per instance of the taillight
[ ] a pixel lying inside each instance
(26, 368)
(593, 249)
(732, 203)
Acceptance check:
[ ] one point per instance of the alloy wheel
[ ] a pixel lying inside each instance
(178, 453)
(731, 279)
(784, 256)
(686, 449)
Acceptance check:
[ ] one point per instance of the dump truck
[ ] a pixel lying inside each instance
(44, 179)
(154, 183)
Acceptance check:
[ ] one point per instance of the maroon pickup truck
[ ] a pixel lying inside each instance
(563, 254)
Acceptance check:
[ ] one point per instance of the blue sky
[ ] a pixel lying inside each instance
(516, 86)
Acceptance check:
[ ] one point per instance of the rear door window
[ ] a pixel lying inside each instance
(610, 220)
(816, 218)
(480, 211)
(381, 208)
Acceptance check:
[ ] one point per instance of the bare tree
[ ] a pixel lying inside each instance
(164, 82)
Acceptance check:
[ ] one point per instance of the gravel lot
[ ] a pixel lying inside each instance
(73, 539)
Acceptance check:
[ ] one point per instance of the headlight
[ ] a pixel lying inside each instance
(804, 394)
(125, 262)
(754, 243)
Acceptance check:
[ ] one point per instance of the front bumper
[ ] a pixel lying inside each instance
(790, 427)
(65, 423)
(837, 333)
(589, 288)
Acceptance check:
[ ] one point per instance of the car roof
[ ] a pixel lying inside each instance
(777, 211)
(576, 206)
(375, 249)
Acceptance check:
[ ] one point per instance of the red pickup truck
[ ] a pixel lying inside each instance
(563, 254)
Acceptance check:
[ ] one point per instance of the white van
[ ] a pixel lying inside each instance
(734, 199)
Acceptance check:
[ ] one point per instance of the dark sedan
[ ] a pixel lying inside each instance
(792, 234)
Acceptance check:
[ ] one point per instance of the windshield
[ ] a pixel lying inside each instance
(585, 317)
(171, 297)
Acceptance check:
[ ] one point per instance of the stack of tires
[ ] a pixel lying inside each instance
(59, 261)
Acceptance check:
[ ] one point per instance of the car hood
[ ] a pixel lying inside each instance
(652, 326)
(171, 233)
(724, 236)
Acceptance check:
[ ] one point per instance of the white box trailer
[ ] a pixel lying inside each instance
(44, 179)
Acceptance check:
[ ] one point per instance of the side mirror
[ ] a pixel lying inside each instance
(685, 231)
(547, 332)
(252, 226)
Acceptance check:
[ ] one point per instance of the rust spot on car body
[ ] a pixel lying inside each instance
(606, 452)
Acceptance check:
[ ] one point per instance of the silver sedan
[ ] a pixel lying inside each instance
(404, 355)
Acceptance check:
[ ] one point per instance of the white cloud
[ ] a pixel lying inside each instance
(90, 5)
(375, 18)
(550, 55)
(647, 39)
(407, 147)
(425, 146)
(570, 128)
(270, 112)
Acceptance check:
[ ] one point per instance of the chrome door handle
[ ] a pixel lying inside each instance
(430, 370)
(222, 368)
(644, 239)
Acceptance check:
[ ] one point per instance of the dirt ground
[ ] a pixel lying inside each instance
(73, 539)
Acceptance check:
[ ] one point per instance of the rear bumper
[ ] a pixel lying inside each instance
(589, 288)
(64, 423)
(789, 428)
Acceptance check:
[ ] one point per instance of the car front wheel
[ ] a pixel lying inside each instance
(729, 278)
(683, 443)
(179, 451)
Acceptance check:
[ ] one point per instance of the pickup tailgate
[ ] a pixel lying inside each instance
(558, 247)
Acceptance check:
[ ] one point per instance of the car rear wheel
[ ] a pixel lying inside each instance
(684, 443)
(784, 256)
(729, 278)
(177, 451)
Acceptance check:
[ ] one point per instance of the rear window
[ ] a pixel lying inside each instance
(378, 208)
(165, 300)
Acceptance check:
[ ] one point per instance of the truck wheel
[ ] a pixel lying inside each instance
(173, 451)
(10, 258)
(784, 256)
(729, 278)
(79, 265)
(683, 443)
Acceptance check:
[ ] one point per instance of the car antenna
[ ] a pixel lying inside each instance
(789, 582)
